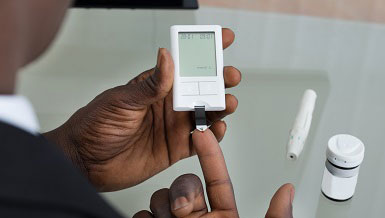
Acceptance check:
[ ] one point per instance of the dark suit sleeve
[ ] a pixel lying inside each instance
(37, 180)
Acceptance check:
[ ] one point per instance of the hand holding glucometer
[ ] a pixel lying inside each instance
(151, 136)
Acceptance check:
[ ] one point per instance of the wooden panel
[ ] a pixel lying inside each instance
(360, 10)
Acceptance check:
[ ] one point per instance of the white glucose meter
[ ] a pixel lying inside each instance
(198, 59)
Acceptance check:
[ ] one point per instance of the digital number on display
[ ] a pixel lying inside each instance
(194, 35)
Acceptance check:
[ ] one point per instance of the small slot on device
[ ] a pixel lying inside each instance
(200, 118)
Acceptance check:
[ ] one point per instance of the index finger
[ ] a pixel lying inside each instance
(218, 184)
(228, 37)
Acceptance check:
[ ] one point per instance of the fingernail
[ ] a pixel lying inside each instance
(292, 193)
(180, 203)
(159, 58)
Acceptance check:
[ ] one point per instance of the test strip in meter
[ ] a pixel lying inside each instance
(198, 59)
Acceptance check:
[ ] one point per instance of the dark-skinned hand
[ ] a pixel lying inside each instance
(129, 133)
(186, 197)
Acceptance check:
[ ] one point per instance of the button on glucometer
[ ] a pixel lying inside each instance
(189, 88)
(208, 88)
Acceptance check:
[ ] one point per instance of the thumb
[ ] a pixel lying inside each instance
(154, 84)
(281, 203)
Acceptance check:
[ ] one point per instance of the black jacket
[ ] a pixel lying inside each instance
(37, 180)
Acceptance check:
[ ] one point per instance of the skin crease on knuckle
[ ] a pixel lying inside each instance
(150, 86)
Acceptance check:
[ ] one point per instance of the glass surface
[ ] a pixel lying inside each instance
(280, 55)
(197, 54)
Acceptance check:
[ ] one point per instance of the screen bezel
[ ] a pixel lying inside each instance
(175, 30)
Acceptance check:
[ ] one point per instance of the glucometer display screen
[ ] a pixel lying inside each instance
(197, 54)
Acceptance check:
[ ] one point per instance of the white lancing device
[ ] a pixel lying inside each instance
(301, 127)
(198, 59)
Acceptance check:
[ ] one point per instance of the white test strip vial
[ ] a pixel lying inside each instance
(344, 155)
